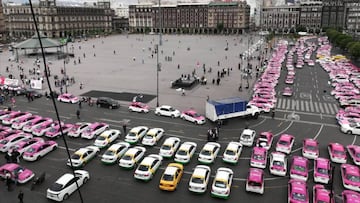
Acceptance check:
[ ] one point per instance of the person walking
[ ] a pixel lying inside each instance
(8, 180)
(78, 114)
(80, 104)
(21, 196)
(182, 92)
(124, 128)
(273, 114)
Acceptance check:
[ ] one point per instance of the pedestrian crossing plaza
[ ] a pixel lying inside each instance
(307, 106)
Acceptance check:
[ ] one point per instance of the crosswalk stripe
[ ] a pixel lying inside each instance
(288, 103)
(332, 111)
(316, 107)
(311, 107)
(336, 108)
(283, 105)
(321, 108)
(307, 106)
(278, 103)
(302, 104)
(297, 105)
(326, 108)
(293, 104)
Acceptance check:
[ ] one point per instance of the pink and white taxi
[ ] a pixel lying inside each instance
(310, 148)
(337, 153)
(77, 129)
(265, 140)
(94, 130)
(21, 122)
(321, 195)
(299, 168)
(139, 107)
(354, 152)
(349, 196)
(287, 92)
(7, 133)
(285, 143)
(40, 130)
(23, 174)
(39, 150)
(297, 191)
(258, 157)
(22, 146)
(29, 127)
(193, 116)
(55, 131)
(255, 181)
(10, 118)
(322, 170)
(9, 142)
(350, 175)
(68, 98)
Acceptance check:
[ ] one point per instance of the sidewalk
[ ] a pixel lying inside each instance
(132, 68)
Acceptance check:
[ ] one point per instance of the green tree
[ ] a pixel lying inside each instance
(338, 39)
(355, 50)
(345, 41)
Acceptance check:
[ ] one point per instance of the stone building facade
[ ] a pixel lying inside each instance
(310, 15)
(58, 21)
(280, 18)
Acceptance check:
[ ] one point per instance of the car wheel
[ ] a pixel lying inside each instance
(99, 105)
(158, 113)
(37, 158)
(110, 107)
(183, 118)
(85, 180)
(349, 132)
(172, 116)
(66, 196)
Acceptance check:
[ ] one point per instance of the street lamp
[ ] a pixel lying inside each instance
(65, 76)
(160, 38)
(157, 74)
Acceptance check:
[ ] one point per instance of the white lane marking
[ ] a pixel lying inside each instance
(277, 134)
(317, 134)
(259, 123)
(354, 140)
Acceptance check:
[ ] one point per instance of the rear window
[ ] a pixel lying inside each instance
(254, 184)
(56, 187)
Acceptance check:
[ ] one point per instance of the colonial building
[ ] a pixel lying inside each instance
(2, 23)
(333, 14)
(215, 17)
(352, 18)
(58, 21)
(310, 15)
(120, 24)
(140, 18)
(280, 18)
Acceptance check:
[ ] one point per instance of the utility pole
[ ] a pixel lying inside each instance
(160, 16)
(157, 74)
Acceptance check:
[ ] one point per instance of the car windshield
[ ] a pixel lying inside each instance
(245, 136)
(165, 147)
(220, 184)
(127, 157)
(205, 152)
(299, 168)
(298, 197)
(255, 184)
(310, 148)
(75, 156)
(109, 153)
(182, 152)
(323, 171)
(3, 141)
(88, 130)
(357, 155)
(278, 163)
(353, 178)
(18, 170)
(148, 137)
(258, 157)
(230, 152)
(171, 109)
(283, 142)
(197, 180)
(131, 134)
(38, 127)
(143, 168)
(168, 177)
(31, 150)
(337, 152)
(101, 138)
(56, 187)
(53, 130)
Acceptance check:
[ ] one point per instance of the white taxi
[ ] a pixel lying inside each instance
(199, 179)
(148, 166)
(209, 152)
(221, 186)
(107, 137)
(114, 152)
(152, 136)
(185, 152)
(135, 134)
(169, 147)
(232, 152)
(131, 157)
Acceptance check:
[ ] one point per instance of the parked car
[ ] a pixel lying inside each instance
(354, 152)
(321, 195)
(222, 182)
(232, 152)
(350, 176)
(148, 167)
(139, 107)
(169, 147)
(135, 134)
(200, 179)
(131, 157)
(17, 173)
(107, 102)
(265, 140)
(285, 143)
(77, 129)
(337, 153)
(193, 116)
(66, 185)
(171, 177)
(209, 153)
(299, 168)
(322, 170)
(278, 164)
(349, 196)
(68, 98)
(11, 141)
(310, 148)
(258, 158)
(94, 130)
(297, 191)
(35, 152)
(185, 152)
(247, 137)
(107, 137)
(82, 156)
(152, 136)
(114, 152)
(166, 110)
(255, 181)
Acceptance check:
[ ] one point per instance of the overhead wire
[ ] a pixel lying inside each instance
(52, 97)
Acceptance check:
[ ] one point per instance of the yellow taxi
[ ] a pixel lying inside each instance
(338, 57)
(171, 177)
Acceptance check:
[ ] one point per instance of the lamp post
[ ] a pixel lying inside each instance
(65, 76)
(157, 74)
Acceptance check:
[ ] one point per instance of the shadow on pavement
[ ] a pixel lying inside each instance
(122, 96)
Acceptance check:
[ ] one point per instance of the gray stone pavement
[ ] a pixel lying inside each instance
(132, 68)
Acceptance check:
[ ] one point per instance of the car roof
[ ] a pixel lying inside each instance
(165, 106)
(199, 171)
(255, 174)
(298, 187)
(259, 150)
(210, 146)
(170, 140)
(310, 141)
(248, 131)
(65, 178)
(233, 146)
(82, 150)
(148, 160)
(278, 155)
(137, 128)
(170, 170)
(153, 131)
(337, 146)
(222, 174)
(10, 166)
(185, 146)
(323, 163)
(286, 137)
(299, 160)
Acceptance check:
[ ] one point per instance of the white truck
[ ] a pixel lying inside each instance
(229, 108)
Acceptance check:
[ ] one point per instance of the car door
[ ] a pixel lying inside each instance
(356, 130)
(165, 111)
(137, 156)
(154, 166)
(71, 186)
(191, 151)
(85, 157)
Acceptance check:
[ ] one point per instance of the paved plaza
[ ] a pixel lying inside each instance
(127, 63)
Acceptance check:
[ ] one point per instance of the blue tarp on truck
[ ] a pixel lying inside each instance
(229, 105)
